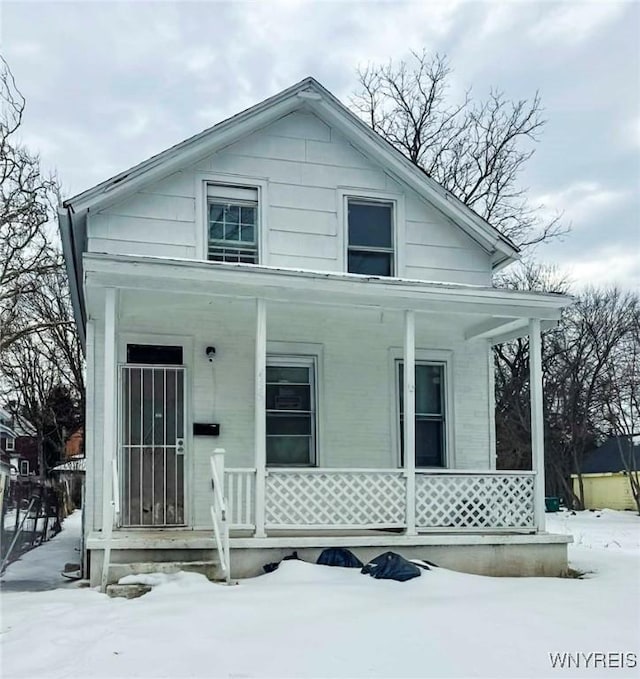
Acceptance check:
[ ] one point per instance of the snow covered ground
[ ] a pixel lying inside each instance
(305, 620)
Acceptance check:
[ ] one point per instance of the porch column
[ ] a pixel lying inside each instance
(109, 425)
(537, 421)
(409, 398)
(260, 443)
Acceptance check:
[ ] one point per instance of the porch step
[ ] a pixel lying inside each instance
(210, 569)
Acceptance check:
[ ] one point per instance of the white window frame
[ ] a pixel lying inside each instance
(203, 180)
(11, 444)
(398, 223)
(307, 361)
(442, 357)
(24, 464)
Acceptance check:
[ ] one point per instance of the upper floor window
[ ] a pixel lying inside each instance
(11, 445)
(370, 249)
(233, 224)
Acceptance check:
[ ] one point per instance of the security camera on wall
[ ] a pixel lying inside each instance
(211, 354)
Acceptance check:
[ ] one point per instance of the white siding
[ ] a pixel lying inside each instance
(357, 395)
(304, 164)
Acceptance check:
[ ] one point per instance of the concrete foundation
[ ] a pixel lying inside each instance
(499, 555)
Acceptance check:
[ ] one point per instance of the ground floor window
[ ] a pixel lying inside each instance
(24, 467)
(291, 411)
(430, 413)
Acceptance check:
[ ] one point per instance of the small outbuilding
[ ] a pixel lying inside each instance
(605, 474)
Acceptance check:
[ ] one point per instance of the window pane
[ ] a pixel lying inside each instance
(430, 431)
(288, 374)
(288, 397)
(299, 425)
(429, 382)
(216, 230)
(429, 443)
(370, 263)
(216, 212)
(231, 231)
(232, 214)
(248, 215)
(370, 224)
(247, 233)
(283, 450)
(429, 389)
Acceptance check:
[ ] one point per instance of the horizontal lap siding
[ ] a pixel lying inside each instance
(305, 164)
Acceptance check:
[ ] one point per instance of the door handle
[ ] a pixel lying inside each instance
(180, 446)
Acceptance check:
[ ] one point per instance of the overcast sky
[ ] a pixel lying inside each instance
(109, 84)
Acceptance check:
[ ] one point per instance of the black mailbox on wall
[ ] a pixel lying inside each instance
(202, 429)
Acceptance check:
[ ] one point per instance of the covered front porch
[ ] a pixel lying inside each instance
(362, 341)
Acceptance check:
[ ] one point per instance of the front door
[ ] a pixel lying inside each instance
(152, 445)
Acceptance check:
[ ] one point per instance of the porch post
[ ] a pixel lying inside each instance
(109, 426)
(410, 417)
(537, 421)
(260, 415)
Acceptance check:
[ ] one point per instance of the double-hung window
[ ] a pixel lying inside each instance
(370, 225)
(291, 411)
(11, 445)
(232, 224)
(430, 413)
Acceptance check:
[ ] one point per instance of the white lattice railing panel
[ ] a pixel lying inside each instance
(239, 492)
(475, 500)
(335, 498)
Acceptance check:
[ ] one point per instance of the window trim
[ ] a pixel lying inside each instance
(24, 463)
(304, 360)
(434, 356)
(203, 180)
(10, 444)
(398, 224)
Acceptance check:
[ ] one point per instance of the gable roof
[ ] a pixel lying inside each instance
(607, 457)
(308, 94)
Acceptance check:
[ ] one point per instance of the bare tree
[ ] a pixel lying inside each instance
(26, 207)
(511, 361)
(475, 149)
(41, 366)
(43, 378)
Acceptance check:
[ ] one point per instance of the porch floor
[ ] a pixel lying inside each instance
(182, 538)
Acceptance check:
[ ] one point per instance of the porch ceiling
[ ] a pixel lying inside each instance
(491, 313)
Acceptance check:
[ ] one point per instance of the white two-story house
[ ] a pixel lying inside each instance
(288, 289)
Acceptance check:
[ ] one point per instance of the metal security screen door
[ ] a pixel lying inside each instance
(152, 445)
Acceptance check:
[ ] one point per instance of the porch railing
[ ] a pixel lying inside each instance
(335, 498)
(352, 499)
(239, 490)
(452, 499)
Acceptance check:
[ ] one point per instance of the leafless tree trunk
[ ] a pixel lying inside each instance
(474, 148)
